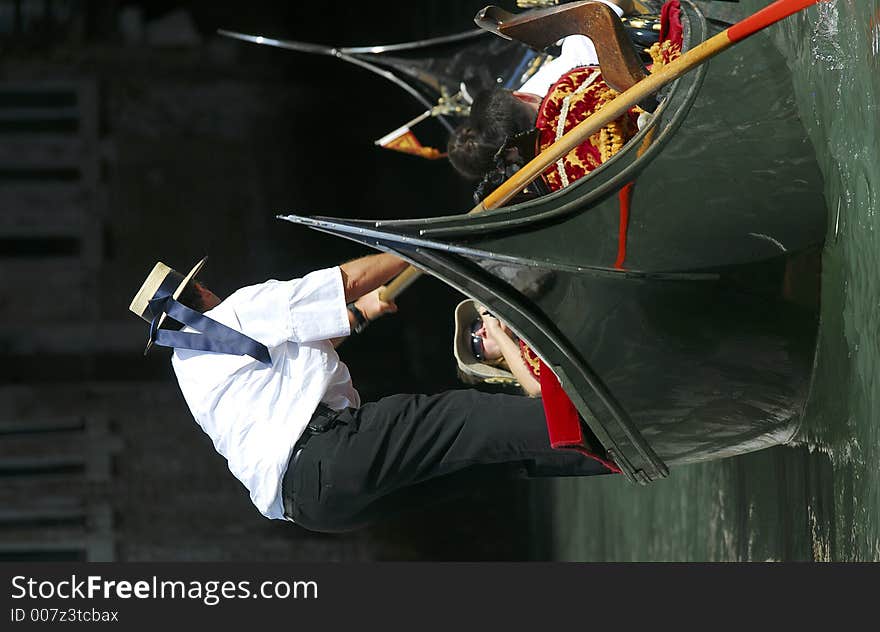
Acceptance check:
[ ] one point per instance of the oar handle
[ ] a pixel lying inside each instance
(649, 85)
(399, 284)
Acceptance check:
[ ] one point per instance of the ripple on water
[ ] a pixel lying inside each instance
(824, 42)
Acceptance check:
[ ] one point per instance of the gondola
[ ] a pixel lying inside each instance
(443, 73)
(692, 334)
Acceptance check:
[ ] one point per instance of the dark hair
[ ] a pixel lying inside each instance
(496, 115)
(469, 152)
(193, 298)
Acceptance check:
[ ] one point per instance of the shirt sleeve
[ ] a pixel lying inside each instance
(300, 310)
(317, 307)
(577, 50)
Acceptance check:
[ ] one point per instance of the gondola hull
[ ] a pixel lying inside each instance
(700, 344)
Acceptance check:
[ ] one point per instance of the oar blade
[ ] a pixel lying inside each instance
(771, 14)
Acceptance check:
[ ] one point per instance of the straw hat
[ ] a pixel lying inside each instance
(161, 280)
(472, 369)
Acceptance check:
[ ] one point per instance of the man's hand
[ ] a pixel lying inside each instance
(372, 307)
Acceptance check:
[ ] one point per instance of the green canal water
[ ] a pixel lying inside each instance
(819, 497)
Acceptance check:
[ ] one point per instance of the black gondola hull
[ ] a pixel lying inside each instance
(701, 344)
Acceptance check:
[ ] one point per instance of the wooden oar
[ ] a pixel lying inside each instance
(700, 54)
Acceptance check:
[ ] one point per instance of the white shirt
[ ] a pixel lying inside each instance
(577, 50)
(255, 413)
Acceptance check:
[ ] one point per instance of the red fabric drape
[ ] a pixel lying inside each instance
(670, 22)
(563, 420)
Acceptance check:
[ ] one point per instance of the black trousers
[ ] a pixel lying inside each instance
(405, 451)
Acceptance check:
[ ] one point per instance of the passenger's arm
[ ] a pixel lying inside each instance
(512, 355)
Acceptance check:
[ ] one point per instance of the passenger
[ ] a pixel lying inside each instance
(488, 352)
(264, 381)
(486, 349)
(495, 141)
(498, 114)
(486, 146)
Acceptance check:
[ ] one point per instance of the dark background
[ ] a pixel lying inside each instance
(130, 133)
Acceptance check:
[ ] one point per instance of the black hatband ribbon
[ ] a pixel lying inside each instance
(214, 336)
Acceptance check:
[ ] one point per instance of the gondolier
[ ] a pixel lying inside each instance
(261, 376)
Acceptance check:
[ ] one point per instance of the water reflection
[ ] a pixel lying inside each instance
(781, 504)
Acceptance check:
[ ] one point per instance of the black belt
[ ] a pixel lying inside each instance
(322, 420)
